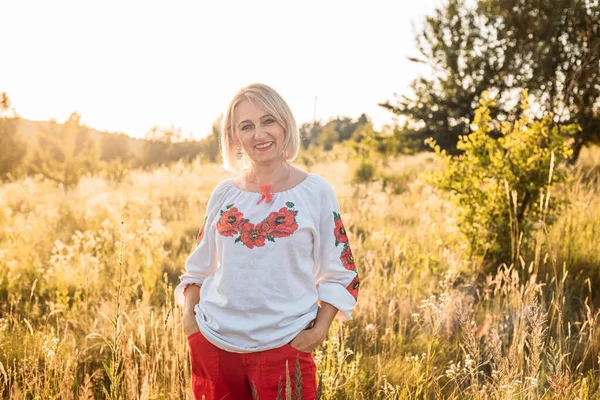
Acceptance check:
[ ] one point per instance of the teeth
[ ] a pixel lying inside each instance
(262, 146)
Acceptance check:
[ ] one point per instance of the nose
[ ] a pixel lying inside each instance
(260, 131)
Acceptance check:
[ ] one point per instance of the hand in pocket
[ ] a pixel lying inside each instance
(308, 339)
(190, 326)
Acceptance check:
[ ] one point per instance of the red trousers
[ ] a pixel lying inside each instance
(218, 374)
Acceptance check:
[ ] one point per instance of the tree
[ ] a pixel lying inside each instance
(159, 145)
(210, 144)
(12, 148)
(551, 48)
(336, 130)
(309, 132)
(65, 153)
(114, 146)
(164, 135)
(457, 48)
(163, 146)
(328, 136)
(558, 58)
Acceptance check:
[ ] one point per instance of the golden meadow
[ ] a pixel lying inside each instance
(86, 281)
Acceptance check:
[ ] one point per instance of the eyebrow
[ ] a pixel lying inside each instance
(247, 120)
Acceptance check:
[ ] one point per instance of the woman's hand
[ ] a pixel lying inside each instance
(190, 325)
(309, 339)
(192, 297)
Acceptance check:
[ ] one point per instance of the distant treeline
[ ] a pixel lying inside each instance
(63, 152)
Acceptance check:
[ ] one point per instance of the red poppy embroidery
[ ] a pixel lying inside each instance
(278, 224)
(282, 223)
(230, 222)
(348, 259)
(201, 233)
(339, 231)
(354, 286)
(346, 256)
(253, 235)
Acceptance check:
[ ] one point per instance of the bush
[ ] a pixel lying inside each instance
(502, 186)
(116, 171)
(364, 172)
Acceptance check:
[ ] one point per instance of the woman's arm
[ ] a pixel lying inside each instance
(203, 260)
(192, 297)
(335, 270)
(325, 317)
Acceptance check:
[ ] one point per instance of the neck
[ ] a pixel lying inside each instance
(268, 174)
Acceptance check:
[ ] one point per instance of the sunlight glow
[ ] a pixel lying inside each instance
(127, 66)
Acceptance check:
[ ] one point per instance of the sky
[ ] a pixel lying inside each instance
(127, 66)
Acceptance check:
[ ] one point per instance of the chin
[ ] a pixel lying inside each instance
(268, 154)
(264, 160)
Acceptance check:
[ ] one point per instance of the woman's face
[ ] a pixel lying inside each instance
(260, 135)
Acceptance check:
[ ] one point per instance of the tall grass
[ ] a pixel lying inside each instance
(86, 278)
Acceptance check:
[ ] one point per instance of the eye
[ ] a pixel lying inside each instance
(245, 126)
(269, 121)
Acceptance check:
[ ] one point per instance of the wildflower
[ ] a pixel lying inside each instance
(453, 370)
(533, 381)
(370, 328)
(50, 345)
(318, 357)
(469, 361)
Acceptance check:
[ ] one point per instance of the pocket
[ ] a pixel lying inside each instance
(193, 335)
(204, 357)
(289, 346)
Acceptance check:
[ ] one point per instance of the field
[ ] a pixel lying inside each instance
(86, 279)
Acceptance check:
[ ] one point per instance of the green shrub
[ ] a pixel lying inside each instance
(502, 186)
(364, 172)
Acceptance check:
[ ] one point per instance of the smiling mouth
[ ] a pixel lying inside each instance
(263, 145)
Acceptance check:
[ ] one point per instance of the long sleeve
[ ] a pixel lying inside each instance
(335, 270)
(203, 260)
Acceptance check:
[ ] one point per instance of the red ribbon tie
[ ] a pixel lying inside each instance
(266, 194)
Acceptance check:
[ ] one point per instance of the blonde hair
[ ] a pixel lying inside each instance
(272, 102)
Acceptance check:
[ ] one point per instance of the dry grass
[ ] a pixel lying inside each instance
(86, 308)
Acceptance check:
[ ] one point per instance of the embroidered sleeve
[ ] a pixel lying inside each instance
(335, 270)
(203, 260)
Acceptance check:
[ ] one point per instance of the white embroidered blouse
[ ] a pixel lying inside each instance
(263, 267)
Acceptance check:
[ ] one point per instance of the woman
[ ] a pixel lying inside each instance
(272, 265)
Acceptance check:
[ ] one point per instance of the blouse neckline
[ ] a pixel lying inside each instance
(299, 184)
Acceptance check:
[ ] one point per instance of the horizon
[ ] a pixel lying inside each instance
(126, 68)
